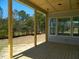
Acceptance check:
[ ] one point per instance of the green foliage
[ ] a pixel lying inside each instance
(1, 13)
(22, 15)
(3, 33)
(23, 24)
(41, 22)
(3, 28)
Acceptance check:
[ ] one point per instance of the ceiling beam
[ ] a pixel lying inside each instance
(27, 2)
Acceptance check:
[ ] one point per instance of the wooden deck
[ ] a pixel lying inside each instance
(50, 51)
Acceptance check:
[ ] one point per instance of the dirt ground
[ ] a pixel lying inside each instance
(24, 39)
(28, 39)
(20, 44)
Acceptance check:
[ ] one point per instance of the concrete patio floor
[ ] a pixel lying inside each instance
(50, 51)
(44, 50)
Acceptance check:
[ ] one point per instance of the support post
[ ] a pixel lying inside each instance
(35, 29)
(10, 31)
(46, 27)
(56, 26)
(71, 25)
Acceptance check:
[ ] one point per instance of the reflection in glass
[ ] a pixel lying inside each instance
(53, 26)
(75, 26)
(64, 26)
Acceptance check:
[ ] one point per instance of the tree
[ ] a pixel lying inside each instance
(22, 15)
(41, 22)
(4, 28)
(29, 24)
(15, 14)
(1, 13)
(24, 22)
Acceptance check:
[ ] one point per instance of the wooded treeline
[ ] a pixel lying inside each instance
(23, 23)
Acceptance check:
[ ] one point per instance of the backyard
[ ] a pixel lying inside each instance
(19, 41)
(22, 40)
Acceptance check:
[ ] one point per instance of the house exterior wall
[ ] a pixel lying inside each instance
(64, 13)
(62, 38)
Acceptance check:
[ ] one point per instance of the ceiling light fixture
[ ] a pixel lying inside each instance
(59, 4)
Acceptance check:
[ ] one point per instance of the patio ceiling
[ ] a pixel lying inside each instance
(52, 5)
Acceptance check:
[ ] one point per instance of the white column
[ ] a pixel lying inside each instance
(35, 29)
(71, 25)
(46, 27)
(10, 30)
(56, 26)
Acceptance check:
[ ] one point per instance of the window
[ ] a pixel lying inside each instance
(75, 26)
(53, 26)
(64, 26)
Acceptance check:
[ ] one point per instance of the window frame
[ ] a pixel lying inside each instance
(75, 26)
(71, 26)
(50, 26)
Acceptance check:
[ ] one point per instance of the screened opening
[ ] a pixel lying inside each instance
(3, 27)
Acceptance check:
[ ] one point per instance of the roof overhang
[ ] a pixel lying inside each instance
(48, 6)
(32, 5)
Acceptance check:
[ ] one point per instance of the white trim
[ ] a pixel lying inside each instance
(71, 26)
(56, 33)
(56, 26)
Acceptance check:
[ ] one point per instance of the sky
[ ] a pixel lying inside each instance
(17, 6)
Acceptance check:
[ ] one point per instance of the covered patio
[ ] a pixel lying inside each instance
(53, 9)
(50, 51)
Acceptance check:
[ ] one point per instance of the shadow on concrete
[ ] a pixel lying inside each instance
(51, 51)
